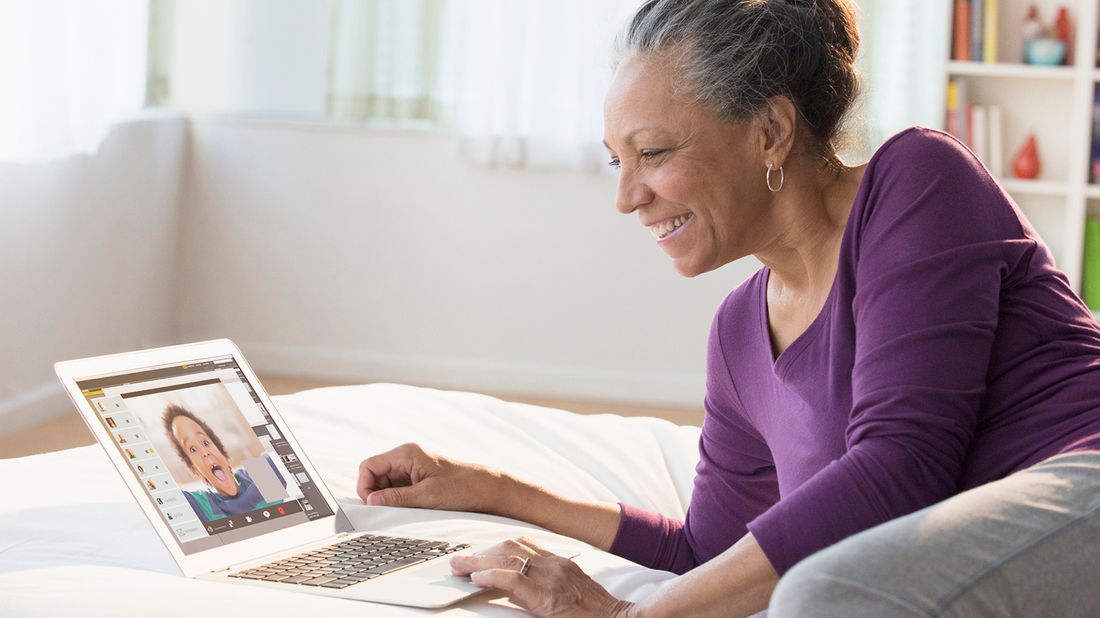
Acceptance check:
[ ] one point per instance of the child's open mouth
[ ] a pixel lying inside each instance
(218, 473)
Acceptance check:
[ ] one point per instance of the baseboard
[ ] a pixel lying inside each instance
(33, 406)
(476, 375)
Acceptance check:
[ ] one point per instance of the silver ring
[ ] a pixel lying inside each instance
(523, 567)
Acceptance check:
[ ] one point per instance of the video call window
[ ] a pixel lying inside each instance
(205, 452)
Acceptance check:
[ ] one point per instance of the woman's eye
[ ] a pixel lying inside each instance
(614, 163)
(206, 442)
(652, 153)
(192, 449)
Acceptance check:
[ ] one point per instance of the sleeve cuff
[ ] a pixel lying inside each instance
(645, 538)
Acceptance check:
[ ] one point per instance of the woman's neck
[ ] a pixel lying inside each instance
(811, 213)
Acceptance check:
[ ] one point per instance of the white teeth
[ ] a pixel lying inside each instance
(660, 230)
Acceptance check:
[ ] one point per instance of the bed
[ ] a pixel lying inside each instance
(73, 541)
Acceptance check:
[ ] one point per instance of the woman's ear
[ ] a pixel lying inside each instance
(778, 119)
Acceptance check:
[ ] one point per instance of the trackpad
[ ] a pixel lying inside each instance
(429, 585)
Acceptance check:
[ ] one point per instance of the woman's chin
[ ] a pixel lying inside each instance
(687, 267)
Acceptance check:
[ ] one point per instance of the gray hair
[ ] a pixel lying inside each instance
(734, 55)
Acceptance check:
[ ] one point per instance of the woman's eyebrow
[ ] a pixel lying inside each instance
(629, 139)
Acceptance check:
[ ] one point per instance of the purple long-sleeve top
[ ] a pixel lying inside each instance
(949, 353)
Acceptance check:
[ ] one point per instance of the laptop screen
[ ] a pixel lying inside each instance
(206, 452)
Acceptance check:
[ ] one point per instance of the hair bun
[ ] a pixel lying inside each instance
(740, 53)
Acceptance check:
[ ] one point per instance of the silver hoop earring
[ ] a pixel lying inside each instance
(768, 178)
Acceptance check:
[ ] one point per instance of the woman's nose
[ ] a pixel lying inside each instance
(632, 194)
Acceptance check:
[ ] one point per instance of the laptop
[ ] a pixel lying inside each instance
(229, 490)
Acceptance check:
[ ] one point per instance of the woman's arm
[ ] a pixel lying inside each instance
(408, 477)
(595, 523)
(738, 582)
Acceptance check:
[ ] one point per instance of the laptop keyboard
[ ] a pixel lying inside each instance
(350, 562)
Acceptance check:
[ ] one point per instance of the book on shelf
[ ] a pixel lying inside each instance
(1094, 159)
(980, 127)
(960, 36)
(976, 29)
(974, 32)
(996, 160)
(992, 17)
(1090, 274)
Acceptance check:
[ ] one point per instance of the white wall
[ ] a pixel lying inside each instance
(88, 259)
(357, 254)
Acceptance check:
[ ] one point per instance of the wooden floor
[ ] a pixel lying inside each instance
(68, 430)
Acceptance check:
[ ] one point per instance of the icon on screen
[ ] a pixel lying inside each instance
(248, 518)
(267, 514)
(281, 511)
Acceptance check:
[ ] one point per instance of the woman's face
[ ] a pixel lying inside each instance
(206, 460)
(695, 180)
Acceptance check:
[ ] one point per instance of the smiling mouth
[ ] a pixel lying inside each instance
(668, 226)
(218, 473)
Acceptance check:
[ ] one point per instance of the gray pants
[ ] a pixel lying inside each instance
(1026, 545)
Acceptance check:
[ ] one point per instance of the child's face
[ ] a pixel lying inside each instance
(206, 460)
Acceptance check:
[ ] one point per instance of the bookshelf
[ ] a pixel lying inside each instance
(1055, 103)
(1008, 70)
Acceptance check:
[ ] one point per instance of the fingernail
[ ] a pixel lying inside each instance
(376, 499)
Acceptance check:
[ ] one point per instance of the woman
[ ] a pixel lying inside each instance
(903, 402)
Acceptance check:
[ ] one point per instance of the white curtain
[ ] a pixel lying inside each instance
(530, 78)
(68, 68)
(385, 60)
(520, 83)
(904, 48)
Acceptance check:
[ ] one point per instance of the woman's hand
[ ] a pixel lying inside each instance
(407, 476)
(551, 586)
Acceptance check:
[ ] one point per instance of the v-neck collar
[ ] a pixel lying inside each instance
(781, 363)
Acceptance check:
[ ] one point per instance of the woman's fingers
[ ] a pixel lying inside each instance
(389, 469)
(550, 585)
(532, 547)
(519, 588)
(465, 565)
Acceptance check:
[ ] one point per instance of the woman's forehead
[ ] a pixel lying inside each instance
(642, 103)
(639, 83)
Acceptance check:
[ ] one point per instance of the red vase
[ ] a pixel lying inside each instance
(1063, 31)
(1025, 164)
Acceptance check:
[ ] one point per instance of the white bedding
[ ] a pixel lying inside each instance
(73, 542)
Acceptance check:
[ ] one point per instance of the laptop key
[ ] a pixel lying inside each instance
(297, 579)
(393, 566)
(317, 581)
(339, 583)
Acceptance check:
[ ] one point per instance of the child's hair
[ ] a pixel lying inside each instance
(171, 413)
